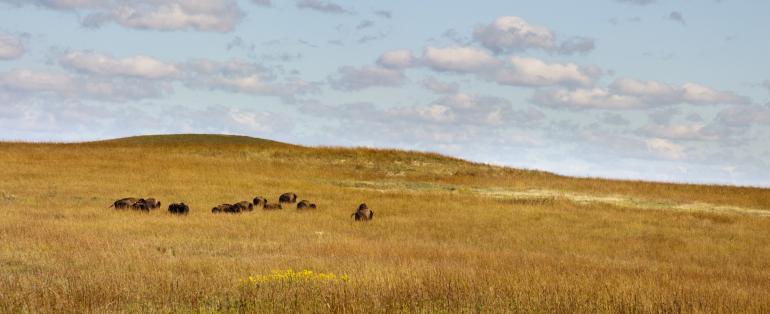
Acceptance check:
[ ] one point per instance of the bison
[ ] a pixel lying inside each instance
(272, 206)
(152, 203)
(179, 209)
(287, 198)
(305, 204)
(259, 201)
(363, 213)
(136, 203)
(141, 204)
(124, 203)
(244, 206)
(222, 208)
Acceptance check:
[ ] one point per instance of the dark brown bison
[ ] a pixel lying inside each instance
(152, 203)
(178, 209)
(244, 206)
(259, 201)
(363, 213)
(124, 203)
(141, 204)
(223, 208)
(272, 206)
(146, 204)
(305, 204)
(287, 198)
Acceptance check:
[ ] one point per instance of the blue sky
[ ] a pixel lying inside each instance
(642, 89)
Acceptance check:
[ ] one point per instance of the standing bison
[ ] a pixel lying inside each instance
(146, 204)
(178, 209)
(363, 213)
(259, 201)
(152, 203)
(124, 203)
(288, 198)
(141, 204)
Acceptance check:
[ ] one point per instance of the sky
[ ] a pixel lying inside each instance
(633, 89)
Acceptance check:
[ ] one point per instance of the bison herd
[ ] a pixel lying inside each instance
(146, 204)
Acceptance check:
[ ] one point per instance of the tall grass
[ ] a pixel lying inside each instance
(436, 244)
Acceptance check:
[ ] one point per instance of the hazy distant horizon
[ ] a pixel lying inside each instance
(647, 90)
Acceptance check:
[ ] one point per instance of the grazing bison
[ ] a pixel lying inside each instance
(363, 213)
(287, 198)
(259, 201)
(141, 204)
(124, 203)
(136, 203)
(179, 209)
(152, 203)
(272, 206)
(244, 206)
(305, 204)
(222, 208)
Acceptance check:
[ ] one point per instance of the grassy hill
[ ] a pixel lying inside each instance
(448, 235)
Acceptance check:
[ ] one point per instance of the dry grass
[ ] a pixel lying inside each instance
(448, 236)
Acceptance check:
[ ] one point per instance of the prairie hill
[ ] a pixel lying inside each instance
(448, 235)
(381, 169)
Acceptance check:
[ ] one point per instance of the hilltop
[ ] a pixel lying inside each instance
(198, 139)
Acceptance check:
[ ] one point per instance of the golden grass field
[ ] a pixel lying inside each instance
(447, 236)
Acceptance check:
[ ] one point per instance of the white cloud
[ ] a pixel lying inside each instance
(680, 131)
(699, 94)
(34, 81)
(352, 78)
(104, 64)
(219, 15)
(596, 98)
(11, 47)
(255, 121)
(36, 84)
(459, 59)
(516, 71)
(659, 93)
(164, 15)
(511, 33)
(535, 72)
(61, 4)
(665, 149)
(744, 116)
(766, 84)
(633, 94)
(651, 89)
(396, 59)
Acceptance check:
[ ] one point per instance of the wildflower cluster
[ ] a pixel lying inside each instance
(291, 276)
